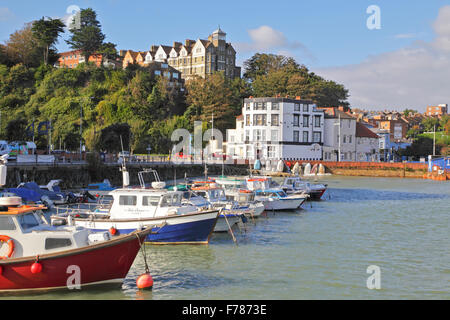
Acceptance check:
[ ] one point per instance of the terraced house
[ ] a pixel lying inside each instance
(200, 57)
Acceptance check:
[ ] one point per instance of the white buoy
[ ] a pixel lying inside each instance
(307, 169)
(296, 169)
(280, 166)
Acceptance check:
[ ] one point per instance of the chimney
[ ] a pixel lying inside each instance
(177, 44)
(122, 53)
(153, 48)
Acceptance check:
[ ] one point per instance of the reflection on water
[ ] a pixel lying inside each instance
(320, 252)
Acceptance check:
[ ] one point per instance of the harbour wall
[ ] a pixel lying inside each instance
(372, 169)
(75, 176)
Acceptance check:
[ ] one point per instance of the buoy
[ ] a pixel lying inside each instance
(36, 268)
(144, 281)
(112, 230)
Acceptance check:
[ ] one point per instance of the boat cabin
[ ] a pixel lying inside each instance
(31, 234)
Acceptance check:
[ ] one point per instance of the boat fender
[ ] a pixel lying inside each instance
(113, 231)
(1, 270)
(36, 267)
(10, 243)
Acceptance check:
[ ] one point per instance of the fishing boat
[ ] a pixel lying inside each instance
(295, 185)
(131, 208)
(36, 256)
(272, 197)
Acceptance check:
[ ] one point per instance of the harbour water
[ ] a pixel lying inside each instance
(322, 252)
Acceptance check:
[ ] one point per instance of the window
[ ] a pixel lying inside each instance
(247, 135)
(275, 106)
(157, 73)
(296, 122)
(7, 223)
(127, 200)
(260, 106)
(317, 121)
(150, 201)
(259, 119)
(274, 136)
(305, 108)
(27, 221)
(274, 121)
(247, 106)
(317, 137)
(271, 151)
(53, 243)
(175, 75)
(259, 135)
(344, 140)
(349, 139)
(306, 121)
(305, 136)
(296, 107)
(247, 120)
(296, 136)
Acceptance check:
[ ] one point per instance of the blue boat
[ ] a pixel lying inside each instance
(32, 192)
(100, 188)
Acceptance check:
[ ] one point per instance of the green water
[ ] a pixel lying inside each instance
(322, 252)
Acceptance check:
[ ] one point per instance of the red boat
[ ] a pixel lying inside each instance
(36, 256)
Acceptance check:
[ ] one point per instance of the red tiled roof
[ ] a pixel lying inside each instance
(363, 131)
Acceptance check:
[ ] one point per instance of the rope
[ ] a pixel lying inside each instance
(142, 248)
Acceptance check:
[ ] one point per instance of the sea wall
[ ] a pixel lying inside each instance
(372, 169)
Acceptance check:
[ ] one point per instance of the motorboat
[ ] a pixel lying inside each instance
(37, 256)
(295, 185)
(132, 208)
(99, 189)
(31, 192)
(274, 198)
(231, 213)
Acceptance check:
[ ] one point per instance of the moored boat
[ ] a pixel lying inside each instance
(295, 185)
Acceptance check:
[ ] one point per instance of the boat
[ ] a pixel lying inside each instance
(98, 189)
(36, 256)
(273, 197)
(31, 192)
(131, 208)
(231, 212)
(295, 185)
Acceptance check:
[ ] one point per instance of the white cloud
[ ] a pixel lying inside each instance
(415, 76)
(5, 15)
(267, 39)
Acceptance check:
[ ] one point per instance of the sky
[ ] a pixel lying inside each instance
(405, 63)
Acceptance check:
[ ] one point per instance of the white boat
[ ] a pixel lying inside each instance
(133, 208)
(231, 213)
(274, 198)
(295, 185)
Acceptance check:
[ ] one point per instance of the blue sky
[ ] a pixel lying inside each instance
(323, 35)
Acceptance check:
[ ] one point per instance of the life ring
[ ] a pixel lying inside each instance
(245, 191)
(10, 244)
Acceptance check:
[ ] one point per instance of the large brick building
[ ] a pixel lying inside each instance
(437, 111)
(71, 59)
(198, 57)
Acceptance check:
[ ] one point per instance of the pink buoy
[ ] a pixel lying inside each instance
(144, 281)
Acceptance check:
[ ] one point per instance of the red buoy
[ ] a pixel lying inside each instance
(36, 268)
(144, 281)
(112, 230)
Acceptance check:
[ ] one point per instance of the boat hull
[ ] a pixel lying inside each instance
(222, 225)
(105, 262)
(284, 204)
(195, 228)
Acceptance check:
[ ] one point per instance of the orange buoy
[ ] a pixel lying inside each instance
(10, 243)
(36, 268)
(144, 281)
(112, 230)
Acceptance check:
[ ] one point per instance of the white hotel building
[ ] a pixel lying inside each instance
(277, 128)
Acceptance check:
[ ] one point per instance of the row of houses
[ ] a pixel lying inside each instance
(176, 62)
(296, 129)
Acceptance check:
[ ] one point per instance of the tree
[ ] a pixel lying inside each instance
(88, 37)
(23, 47)
(16, 130)
(110, 137)
(47, 31)
(271, 75)
(429, 124)
(108, 51)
